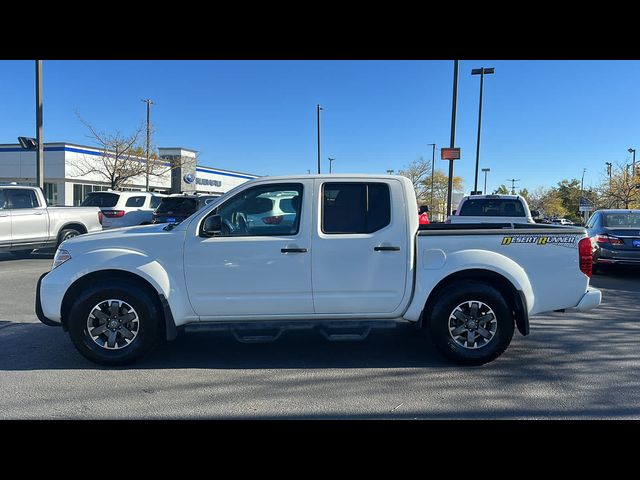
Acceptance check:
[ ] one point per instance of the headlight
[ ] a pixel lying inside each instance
(60, 257)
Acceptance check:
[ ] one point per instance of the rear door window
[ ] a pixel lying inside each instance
(355, 207)
(22, 198)
(135, 201)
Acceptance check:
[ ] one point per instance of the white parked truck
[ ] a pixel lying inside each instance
(27, 223)
(351, 258)
(493, 208)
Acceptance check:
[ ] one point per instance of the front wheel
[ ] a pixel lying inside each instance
(471, 323)
(114, 323)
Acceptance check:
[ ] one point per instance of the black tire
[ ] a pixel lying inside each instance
(148, 331)
(22, 253)
(66, 234)
(456, 294)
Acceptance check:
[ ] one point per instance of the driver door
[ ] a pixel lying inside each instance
(259, 264)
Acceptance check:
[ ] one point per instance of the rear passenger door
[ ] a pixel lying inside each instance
(29, 219)
(359, 248)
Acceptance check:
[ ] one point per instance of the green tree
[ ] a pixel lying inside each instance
(501, 190)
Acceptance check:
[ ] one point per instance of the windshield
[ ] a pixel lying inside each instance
(624, 219)
(182, 205)
(492, 207)
(101, 199)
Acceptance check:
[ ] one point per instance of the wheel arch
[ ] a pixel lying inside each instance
(157, 297)
(515, 298)
(74, 225)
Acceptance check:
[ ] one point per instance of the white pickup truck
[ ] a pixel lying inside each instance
(27, 223)
(493, 208)
(351, 257)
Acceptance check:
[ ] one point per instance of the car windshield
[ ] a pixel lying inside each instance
(492, 207)
(178, 205)
(102, 199)
(623, 219)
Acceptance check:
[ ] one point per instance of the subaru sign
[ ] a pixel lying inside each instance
(189, 178)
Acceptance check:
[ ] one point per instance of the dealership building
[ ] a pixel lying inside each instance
(70, 172)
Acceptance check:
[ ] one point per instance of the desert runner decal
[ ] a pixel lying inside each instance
(561, 240)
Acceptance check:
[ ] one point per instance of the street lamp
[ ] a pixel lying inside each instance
(482, 72)
(485, 170)
(633, 172)
(330, 162)
(390, 172)
(318, 109)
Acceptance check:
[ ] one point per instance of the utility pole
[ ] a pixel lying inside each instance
(390, 172)
(149, 103)
(330, 162)
(40, 152)
(319, 108)
(433, 160)
(453, 134)
(513, 184)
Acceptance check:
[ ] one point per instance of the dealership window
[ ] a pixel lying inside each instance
(80, 192)
(51, 193)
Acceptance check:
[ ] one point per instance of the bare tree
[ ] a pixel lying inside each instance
(118, 163)
(418, 172)
(622, 189)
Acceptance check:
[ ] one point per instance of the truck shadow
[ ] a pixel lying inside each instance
(44, 254)
(33, 346)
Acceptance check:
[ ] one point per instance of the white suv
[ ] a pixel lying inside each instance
(124, 209)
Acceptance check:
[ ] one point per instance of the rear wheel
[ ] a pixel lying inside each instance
(66, 234)
(114, 323)
(471, 323)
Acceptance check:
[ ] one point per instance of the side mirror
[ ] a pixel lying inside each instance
(212, 226)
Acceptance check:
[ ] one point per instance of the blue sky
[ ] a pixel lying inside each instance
(542, 120)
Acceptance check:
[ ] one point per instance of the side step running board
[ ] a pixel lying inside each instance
(264, 332)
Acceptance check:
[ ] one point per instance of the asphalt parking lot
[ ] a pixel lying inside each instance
(572, 366)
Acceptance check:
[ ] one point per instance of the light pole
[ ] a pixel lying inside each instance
(482, 72)
(330, 162)
(454, 104)
(633, 172)
(581, 192)
(433, 160)
(390, 172)
(149, 103)
(40, 151)
(485, 170)
(318, 109)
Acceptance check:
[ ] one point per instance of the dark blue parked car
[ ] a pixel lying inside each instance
(615, 237)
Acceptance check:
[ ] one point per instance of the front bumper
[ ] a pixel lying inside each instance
(39, 313)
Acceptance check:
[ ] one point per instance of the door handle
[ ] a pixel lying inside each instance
(386, 249)
(38, 213)
(293, 250)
